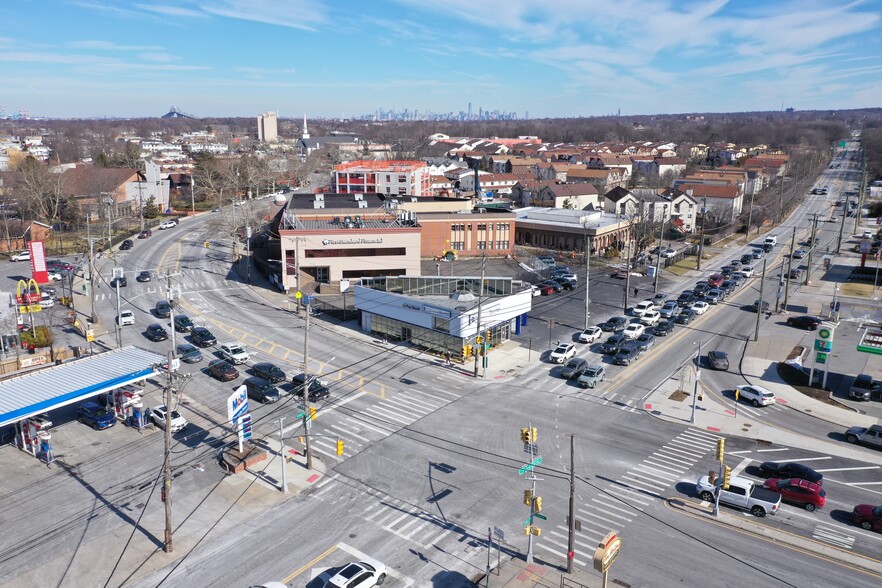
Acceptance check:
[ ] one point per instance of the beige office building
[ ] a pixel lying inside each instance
(268, 127)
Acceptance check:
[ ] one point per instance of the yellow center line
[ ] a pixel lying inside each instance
(309, 564)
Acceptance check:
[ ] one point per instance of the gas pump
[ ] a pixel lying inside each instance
(32, 435)
(128, 407)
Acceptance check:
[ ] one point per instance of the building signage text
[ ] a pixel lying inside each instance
(352, 241)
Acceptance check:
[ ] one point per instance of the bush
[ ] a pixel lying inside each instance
(41, 336)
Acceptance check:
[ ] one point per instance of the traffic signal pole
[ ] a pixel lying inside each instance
(480, 299)
(571, 526)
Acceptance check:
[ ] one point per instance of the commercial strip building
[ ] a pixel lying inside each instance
(567, 230)
(399, 178)
(443, 314)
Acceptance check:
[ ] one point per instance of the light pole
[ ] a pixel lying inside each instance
(661, 244)
(697, 382)
(701, 234)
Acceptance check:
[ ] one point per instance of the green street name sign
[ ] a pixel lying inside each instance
(530, 466)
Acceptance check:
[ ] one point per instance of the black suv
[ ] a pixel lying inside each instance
(260, 389)
(317, 389)
(615, 324)
(121, 282)
(126, 245)
(155, 332)
(183, 324)
(611, 346)
(810, 323)
(162, 309)
(663, 328)
(202, 337)
(685, 299)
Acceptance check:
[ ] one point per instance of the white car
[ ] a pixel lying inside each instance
(571, 276)
(700, 307)
(126, 317)
(535, 291)
(633, 330)
(756, 395)
(55, 276)
(21, 256)
(158, 415)
(747, 271)
(650, 318)
(563, 352)
(668, 253)
(366, 573)
(234, 351)
(644, 307)
(169, 224)
(590, 335)
(46, 300)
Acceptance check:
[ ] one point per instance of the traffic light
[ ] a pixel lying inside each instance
(525, 435)
(721, 449)
(300, 439)
(488, 337)
(537, 504)
(528, 530)
(700, 395)
(727, 477)
(339, 446)
(534, 435)
(312, 413)
(536, 531)
(528, 497)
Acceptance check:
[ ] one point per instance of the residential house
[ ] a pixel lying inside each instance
(526, 191)
(725, 202)
(573, 196)
(97, 190)
(621, 202)
(683, 210)
(604, 179)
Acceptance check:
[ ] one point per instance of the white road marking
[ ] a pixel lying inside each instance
(848, 469)
(771, 450)
(740, 467)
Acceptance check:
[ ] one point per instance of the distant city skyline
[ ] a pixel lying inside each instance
(408, 59)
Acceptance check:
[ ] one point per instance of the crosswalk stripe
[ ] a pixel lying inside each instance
(663, 466)
(653, 486)
(629, 495)
(348, 434)
(674, 458)
(413, 404)
(686, 447)
(613, 504)
(650, 471)
(683, 451)
(406, 407)
(396, 521)
(706, 438)
(611, 514)
(646, 488)
(449, 529)
(384, 415)
(607, 519)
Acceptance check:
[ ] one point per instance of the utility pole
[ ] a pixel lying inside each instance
(282, 453)
(661, 245)
(167, 479)
(306, 383)
(118, 274)
(171, 302)
(863, 188)
(587, 278)
(789, 270)
(808, 270)
(628, 276)
(701, 238)
(480, 297)
(697, 382)
(750, 209)
(781, 201)
(842, 225)
(141, 201)
(91, 266)
(571, 522)
(192, 196)
(759, 310)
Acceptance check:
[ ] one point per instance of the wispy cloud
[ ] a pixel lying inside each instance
(108, 46)
(298, 14)
(171, 10)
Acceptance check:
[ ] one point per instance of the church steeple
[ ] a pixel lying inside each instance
(305, 131)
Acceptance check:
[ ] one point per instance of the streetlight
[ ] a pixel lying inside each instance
(661, 244)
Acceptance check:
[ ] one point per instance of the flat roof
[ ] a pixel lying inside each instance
(53, 387)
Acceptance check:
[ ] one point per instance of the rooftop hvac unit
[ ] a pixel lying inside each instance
(319, 197)
(318, 204)
(414, 199)
(357, 219)
(347, 220)
(336, 220)
(362, 204)
(359, 197)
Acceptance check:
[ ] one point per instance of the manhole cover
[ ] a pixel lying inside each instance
(747, 424)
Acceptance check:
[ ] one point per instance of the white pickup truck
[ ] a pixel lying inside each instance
(743, 494)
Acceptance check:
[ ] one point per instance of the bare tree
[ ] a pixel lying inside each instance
(40, 192)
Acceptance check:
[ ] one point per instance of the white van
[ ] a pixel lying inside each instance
(771, 240)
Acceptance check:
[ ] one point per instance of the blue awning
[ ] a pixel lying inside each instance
(53, 387)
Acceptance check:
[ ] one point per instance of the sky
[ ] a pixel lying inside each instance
(343, 58)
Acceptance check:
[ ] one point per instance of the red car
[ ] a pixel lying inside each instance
(715, 280)
(869, 517)
(801, 492)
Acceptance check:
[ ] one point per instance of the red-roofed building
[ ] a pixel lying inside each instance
(724, 201)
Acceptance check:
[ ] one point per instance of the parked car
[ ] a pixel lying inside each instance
(95, 415)
(182, 323)
(668, 253)
(145, 233)
(615, 324)
(189, 353)
(810, 323)
(234, 352)
(645, 341)
(21, 256)
(574, 368)
(202, 337)
(262, 390)
(547, 260)
(318, 390)
(126, 245)
(564, 283)
(628, 354)
(55, 275)
(46, 299)
(562, 353)
(162, 309)
(756, 395)
(871, 435)
(363, 574)
(633, 330)
(611, 346)
(685, 317)
(669, 309)
(592, 376)
(663, 328)
(169, 224)
(155, 332)
(269, 371)
(869, 517)
(553, 285)
(126, 318)
(158, 415)
(544, 289)
(802, 492)
(144, 276)
(860, 387)
(222, 370)
(774, 469)
(590, 335)
(718, 360)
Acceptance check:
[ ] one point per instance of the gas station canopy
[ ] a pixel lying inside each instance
(50, 388)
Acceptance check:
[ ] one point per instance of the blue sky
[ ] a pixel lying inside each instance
(96, 58)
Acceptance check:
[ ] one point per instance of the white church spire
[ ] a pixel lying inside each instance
(305, 131)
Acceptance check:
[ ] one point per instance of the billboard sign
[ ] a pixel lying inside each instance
(38, 262)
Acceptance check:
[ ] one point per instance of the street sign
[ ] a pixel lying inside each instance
(821, 358)
(540, 516)
(531, 448)
(499, 533)
(530, 466)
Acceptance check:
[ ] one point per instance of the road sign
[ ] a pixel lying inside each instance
(531, 448)
(499, 533)
(540, 516)
(821, 358)
(530, 466)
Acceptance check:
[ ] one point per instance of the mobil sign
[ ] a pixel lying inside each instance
(237, 404)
